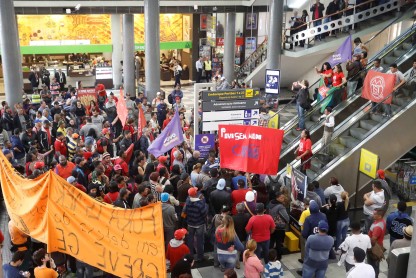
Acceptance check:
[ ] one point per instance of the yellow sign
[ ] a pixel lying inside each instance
(123, 242)
(368, 163)
(288, 170)
(274, 120)
(249, 93)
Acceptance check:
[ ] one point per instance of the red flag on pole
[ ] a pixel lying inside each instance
(141, 121)
(378, 86)
(251, 149)
(129, 153)
(122, 109)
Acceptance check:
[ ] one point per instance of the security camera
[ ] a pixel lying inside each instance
(77, 7)
(68, 11)
(195, 7)
(214, 9)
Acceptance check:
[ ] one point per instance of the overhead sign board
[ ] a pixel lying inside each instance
(231, 94)
(230, 115)
(230, 105)
(213, 126)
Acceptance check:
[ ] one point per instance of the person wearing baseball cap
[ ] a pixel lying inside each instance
(219, 197)
(406, 241)
(317, 251)
(361, 269)
(381, 177)
(195, 212)
(177, 247)
(162, 162)
(169, 216)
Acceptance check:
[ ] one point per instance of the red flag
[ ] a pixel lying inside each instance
(129, 153)
(377, 86)
(251, 149)
(122, 109)
(142, 122)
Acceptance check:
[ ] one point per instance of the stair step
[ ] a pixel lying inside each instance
(399, 53)
(358, 133)
(377, 117)
(407, 45)
(337, 149)
(316, 117)
(368, 124)
(401, 101)
(309, 124)
(348, 141)
(389, 60)
(289, 138)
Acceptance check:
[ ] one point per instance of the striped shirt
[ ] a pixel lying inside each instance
(273, 270)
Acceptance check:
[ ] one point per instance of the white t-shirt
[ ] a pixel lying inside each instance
(399, 76)
(378, 201)
(361, 241)
(361, 270)
(334, 189)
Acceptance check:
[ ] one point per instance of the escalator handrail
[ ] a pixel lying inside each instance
(357, 92)
(380, 104)
(392, 46)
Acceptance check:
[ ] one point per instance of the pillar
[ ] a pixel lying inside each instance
(10, 49)
(229, 47)
(117, 42)
(274, 43)
(128, 55)
(152, 47)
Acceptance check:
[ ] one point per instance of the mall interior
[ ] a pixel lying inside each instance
(138, 45)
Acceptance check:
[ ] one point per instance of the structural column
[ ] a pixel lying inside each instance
(152, 47)
(128, 54)
(274, 43)
(10, 50)
(117, 41)
(229, 47)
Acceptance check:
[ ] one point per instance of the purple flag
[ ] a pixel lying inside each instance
(343, 53)
(170, 137)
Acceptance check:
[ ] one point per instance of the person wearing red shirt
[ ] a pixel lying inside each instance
(73, 181)
(108, 165)
(60, 146)
(113, 193)
(167, 121)
(129, 126)
(121, 160)
(326, 73)
(304, 150)
(338, 80)
(261, 226)
(64, 168)
(162, 162)
(376, 234)
(239, 195)
(177, 248)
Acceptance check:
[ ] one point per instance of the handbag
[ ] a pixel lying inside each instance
(377, 252)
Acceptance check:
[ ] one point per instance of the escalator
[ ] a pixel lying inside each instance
(396, 52)
(388, 137)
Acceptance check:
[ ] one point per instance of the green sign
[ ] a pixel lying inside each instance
(166, 45)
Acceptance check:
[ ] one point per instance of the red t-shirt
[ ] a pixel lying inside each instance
(129, 128)
(124, 166)
(60, 147)
(304, 145)
(260, 226)
(238, 196)
(81, 187)
(65, 172)
(337, 78)
(377, 230)
(111, 197)
(327, 79)
(174, 254)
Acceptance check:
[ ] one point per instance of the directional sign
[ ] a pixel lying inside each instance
(230, 115)
(213, 126)
(231, 94)
(230, 105)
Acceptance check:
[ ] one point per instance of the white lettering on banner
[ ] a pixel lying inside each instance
(377, 87)
(239, 135)
(336, 57)
(169, 139)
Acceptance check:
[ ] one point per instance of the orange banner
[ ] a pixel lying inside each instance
(126, 243)
(121, 108)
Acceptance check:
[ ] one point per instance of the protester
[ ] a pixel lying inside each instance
(252, 264)
(398, 220)
(177, 248)
(360, 269)
(376, 234)
(304, 150)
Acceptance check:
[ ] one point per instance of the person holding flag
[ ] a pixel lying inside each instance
(399, 81)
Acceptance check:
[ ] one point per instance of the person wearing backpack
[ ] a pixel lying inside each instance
(278, 212)
(273, 185)
(104, 144)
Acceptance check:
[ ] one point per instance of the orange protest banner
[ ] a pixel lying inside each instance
(126, 243)
(122, 109)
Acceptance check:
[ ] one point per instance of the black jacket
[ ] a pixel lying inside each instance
(144, 144)
(218, 199)
(321, 9)
(28, 141)
(33, 80)
(121, 204)
(63, 78)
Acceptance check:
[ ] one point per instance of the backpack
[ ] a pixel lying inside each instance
(274, 186)
(278, 219)
(170, 98)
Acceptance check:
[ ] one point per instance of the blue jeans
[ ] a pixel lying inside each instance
(227, 261)
(309, 272)
(196, 235)
(352, 87)
(317, 23)
(262, 250)
(301, 115)
(84, 270)
(342, 228)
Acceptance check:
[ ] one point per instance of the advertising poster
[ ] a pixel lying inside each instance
(251, 45)
(86, 95)
(204, 143)
(299, 185)
(272, 81)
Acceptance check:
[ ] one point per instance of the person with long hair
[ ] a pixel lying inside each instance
(183, 266)
(304, 150)
(253, 266)
(343, 220)
(228, 243)
(338, 81)
(230, 273)
(326, 73)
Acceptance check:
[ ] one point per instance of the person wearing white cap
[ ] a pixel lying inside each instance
(223, 85)
(219, 198)
(156, 100)
(404, 242)
(250, 202)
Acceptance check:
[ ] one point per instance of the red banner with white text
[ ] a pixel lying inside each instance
(251, 149)
(378, 86)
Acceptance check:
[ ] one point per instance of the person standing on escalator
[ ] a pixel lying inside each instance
(329, 125)
(304, 150)
(400, 80)
(302, 103)
(353, 68)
